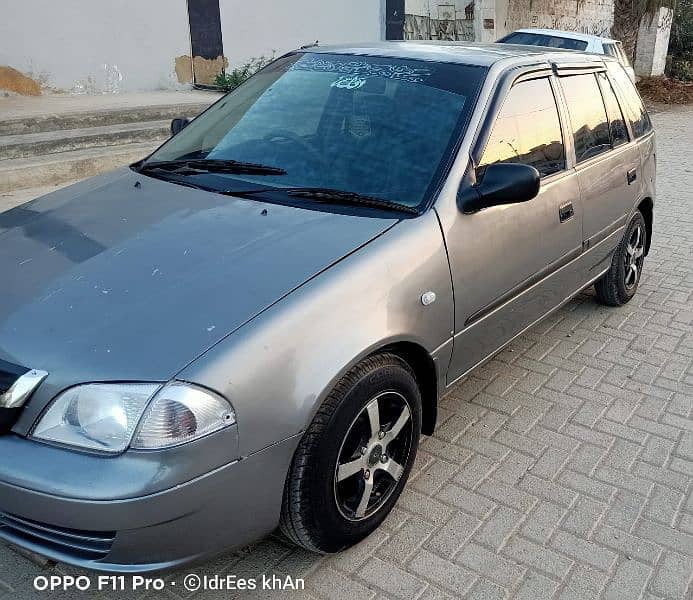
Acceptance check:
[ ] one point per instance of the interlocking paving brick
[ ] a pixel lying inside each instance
(494, 567)
(535, 586)
(451, 536)
(583, 551)
(542, 522)
(442, 572)
(629, 580)
(539, 557)
(673, 576)
(391, 579)
(583, 517)
(498, 528)
(583, 582)
(627, 544)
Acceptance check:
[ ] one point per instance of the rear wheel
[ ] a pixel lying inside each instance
(355, 458)
(620, 282)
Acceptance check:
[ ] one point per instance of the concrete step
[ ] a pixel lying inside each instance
(51, 169)
(25, 145)
(37, 123)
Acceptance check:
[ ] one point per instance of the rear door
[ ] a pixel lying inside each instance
(510, 263)
(606, 161)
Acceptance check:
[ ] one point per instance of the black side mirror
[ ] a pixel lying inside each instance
(178, 124)
(502, 183)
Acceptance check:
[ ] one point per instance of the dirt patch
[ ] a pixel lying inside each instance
(666, 90)
(14, 81)
(206, 69)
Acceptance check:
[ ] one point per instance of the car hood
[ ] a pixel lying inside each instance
(125, 277)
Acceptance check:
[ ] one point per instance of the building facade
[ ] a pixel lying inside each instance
(77, 46)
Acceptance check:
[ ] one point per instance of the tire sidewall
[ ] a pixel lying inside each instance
(338, 532)
(618, 265)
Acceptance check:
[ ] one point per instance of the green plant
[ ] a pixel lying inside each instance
(228, 80)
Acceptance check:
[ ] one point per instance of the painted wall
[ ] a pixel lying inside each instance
(92, 46)
(590, 16)
(256, 28)
(65, 44)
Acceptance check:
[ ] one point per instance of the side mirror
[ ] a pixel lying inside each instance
(178, 124)
(502, 183)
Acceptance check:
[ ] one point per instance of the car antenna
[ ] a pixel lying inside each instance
(313, 45)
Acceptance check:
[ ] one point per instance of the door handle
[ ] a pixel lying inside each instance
(631, 176)
(565, 212)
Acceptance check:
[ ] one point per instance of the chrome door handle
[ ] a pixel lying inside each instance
(631, 176)
(565, 212)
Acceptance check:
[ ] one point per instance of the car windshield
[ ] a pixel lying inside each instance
(543, 39)
(375, 126)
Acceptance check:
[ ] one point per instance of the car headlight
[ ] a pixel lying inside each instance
(106, 417)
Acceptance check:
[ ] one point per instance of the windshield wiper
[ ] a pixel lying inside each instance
(327, 195)
(205, 165)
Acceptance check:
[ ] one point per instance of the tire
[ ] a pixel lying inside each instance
(323, 508)
(620, 282)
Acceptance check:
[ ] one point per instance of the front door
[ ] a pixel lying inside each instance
(511, 264)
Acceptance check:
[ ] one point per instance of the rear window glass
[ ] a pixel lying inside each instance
(542, 39)
(587, 115)
(630, 101)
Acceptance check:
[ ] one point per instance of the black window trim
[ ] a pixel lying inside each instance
(620, 108)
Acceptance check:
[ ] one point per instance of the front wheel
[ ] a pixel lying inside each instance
(355, 457)
(620, 282)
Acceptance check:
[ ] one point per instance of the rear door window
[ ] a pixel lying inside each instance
(527, 129)
(630, 101)
(617, 124)
(588, 118)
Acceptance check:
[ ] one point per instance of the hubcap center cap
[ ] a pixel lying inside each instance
(375, 455)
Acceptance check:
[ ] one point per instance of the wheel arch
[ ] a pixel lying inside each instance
(646, 207)
(425, 371)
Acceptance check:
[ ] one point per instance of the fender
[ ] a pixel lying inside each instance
(277, 369)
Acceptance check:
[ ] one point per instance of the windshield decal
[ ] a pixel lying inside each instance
(356, 72)
(349, 82)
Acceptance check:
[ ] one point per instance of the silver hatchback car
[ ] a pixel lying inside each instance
(251, 327)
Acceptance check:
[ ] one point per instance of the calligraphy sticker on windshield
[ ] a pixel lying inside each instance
(348, 82)
(355, 73)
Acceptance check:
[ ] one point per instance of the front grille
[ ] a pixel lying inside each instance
(90, 545)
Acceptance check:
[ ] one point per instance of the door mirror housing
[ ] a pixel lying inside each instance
(178, 124)
(501, 183)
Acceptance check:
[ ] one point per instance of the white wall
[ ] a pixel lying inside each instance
(67, 42)
(257, 27)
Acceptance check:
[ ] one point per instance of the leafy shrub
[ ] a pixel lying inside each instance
(229, 80)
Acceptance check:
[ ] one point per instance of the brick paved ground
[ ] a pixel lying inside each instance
(562, 469)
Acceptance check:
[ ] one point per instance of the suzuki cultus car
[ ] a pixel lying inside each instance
(251, 327)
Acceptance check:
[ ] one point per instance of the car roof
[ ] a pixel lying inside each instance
(467, 53)
(571, 35)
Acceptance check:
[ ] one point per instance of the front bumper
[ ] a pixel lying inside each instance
(226, 507)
